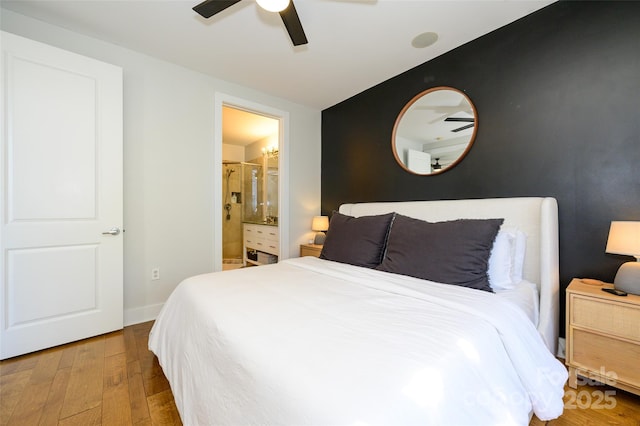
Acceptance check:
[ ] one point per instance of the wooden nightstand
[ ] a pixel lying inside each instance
(603, 336)
(310, 250)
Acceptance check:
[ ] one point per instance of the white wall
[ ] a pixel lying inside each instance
(232, 152)
(168, 164)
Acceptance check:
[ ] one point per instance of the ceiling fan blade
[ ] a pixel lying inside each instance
(208, 8)
(463, 127)
(462, 119)
(294, 26)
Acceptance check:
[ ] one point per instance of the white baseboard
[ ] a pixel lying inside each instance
(141, 314)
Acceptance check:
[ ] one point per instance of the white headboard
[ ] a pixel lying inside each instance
(537, 217)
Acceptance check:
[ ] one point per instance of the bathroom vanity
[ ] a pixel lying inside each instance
(261, 244)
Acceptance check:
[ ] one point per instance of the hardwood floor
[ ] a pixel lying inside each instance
(115, 380)
(111, 379)
(595, 406)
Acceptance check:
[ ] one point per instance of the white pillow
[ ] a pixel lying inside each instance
(500, 268)
(518, 256)
(506, 262)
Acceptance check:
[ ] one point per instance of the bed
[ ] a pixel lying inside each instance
(339, 341)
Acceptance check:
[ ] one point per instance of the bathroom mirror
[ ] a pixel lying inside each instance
(434, 131)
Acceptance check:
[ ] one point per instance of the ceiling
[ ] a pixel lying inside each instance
(353, 44)
(243, 128)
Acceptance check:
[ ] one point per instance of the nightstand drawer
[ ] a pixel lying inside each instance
(617, 319)
(595, 352)
(310, 250)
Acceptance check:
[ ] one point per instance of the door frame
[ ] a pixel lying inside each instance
(220, 100)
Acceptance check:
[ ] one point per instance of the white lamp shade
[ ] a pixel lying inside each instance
(624, 238)
(273, 5)
(320, 223)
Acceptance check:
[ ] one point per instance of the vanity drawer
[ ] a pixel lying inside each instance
(271, 234)
(615, 319)
(267, 246)
(250, 230)
(266, 232)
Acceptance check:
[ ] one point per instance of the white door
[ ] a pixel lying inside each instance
(61, 274)
(418, 161)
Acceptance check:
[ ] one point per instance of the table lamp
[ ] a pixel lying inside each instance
(624, 238)
(320, 224)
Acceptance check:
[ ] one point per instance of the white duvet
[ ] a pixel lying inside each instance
(313, 342)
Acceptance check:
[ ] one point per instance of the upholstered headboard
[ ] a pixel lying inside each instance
(537, 217)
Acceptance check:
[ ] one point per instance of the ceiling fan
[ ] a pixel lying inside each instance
(463, 120)
(285, 8)
(447, 110)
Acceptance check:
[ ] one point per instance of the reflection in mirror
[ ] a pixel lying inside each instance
(434, 131)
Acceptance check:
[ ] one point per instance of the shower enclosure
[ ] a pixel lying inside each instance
(243, 195)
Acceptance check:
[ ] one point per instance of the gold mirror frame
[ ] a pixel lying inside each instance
(438, 125)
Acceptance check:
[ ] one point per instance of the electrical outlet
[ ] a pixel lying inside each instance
(155, 274)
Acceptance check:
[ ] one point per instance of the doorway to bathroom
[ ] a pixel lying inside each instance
(250, 188)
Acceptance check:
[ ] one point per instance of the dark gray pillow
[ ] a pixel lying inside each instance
(452, 252)
(357, 241)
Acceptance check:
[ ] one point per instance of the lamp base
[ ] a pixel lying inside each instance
(319, 238)
(628, 278)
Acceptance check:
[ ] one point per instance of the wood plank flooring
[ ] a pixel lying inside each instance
(115, 380)
(597, 405)
(111, 379)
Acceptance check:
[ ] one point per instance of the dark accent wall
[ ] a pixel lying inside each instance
(558, 101)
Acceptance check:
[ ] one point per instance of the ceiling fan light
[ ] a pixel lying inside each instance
(273, 5)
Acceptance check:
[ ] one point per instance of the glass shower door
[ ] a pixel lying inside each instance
(252, 189)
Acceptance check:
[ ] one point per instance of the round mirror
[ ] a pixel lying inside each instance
(434, 131)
